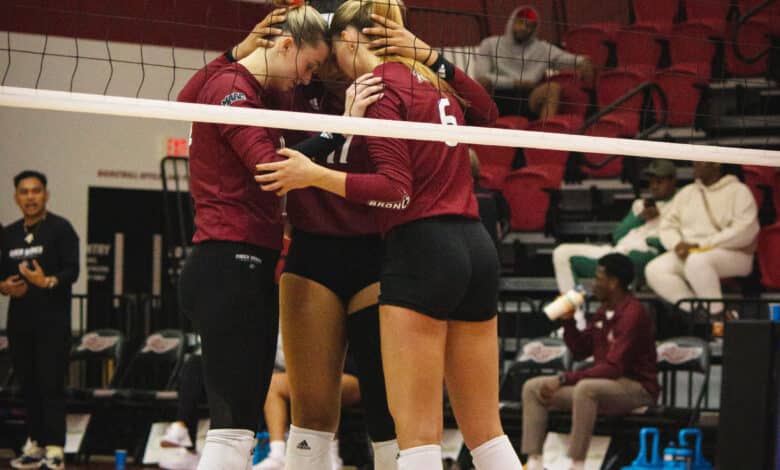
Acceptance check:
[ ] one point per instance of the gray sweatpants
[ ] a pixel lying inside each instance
(585, 400)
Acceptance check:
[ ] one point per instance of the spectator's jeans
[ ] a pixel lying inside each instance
(698, 276)
(585, 400)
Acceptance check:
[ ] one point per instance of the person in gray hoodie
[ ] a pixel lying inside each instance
(513, 67)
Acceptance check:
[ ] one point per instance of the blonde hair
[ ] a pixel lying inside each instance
(357, 13)
(305, 25)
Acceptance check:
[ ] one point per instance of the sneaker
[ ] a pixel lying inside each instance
(55, 458)
(176, 435)
(271, 462)
(53, 463)
(31, 457)
(180, 459)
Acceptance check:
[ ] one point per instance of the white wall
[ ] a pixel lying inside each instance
(73, 148)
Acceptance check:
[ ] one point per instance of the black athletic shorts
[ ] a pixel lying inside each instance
(345, 265)
(445, 267)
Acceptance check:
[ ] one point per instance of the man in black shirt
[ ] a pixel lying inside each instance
(40, 262)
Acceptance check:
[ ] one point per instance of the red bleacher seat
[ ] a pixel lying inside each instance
(757, 177)
(683, 92)
(657, 14)
(575, 98)
(495, 163)
(776, 193)
(591, 40)
(712, 13)
(692, 48)
(769, 256)
(563, 124)
(612, 85)
(638, 49)
(753, 38)
(604, 128)
(511, 122)
(771, 10)
(528, 201)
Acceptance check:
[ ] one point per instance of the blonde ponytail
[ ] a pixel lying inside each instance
(357, 13)
(305, 25)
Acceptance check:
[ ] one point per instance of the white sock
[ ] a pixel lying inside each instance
(420, 458)
(308, 449)
(385, 455)
(227, 449)
(496, 454)
(577, 465)
(535, 462)
(335, 457)
(278, 448)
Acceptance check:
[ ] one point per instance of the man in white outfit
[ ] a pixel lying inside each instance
(710, 230)
(636, 236)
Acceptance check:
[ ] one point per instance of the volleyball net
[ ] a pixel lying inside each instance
(692, 79)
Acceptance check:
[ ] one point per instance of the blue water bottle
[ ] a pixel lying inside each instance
(677, 458)
(698, 462)
(262, 447)
(646, 460)
(120, 459)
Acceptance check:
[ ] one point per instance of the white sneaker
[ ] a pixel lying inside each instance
(270, 463)
(180, 459)
(176, 435)
(32, 456)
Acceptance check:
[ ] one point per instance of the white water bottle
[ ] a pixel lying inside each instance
(565, 303)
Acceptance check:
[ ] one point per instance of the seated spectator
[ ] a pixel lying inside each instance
(710, 230)
(513, 67)
(493, 208)
(620, 337)
(636, 236)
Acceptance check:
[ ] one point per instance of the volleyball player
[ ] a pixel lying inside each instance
(328, 298)
(227, 283)
(439, 273)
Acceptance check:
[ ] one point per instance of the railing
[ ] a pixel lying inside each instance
(742, 20)
(647, 88)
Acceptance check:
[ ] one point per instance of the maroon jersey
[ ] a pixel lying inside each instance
(189, 93)
(316, 211)
(416, 179)
(229, 205)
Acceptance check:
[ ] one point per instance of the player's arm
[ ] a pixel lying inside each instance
(257, 38)
(393, 38)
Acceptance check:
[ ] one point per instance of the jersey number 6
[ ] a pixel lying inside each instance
(447, 119)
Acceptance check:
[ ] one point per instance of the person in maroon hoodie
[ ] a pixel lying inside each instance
(227, 284)
(621, 339)
(440, 269)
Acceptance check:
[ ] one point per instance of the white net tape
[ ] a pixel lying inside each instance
(159, 109)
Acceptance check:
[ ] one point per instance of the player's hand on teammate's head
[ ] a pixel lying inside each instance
(362, 93)
(391, 38)
(259, 36)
